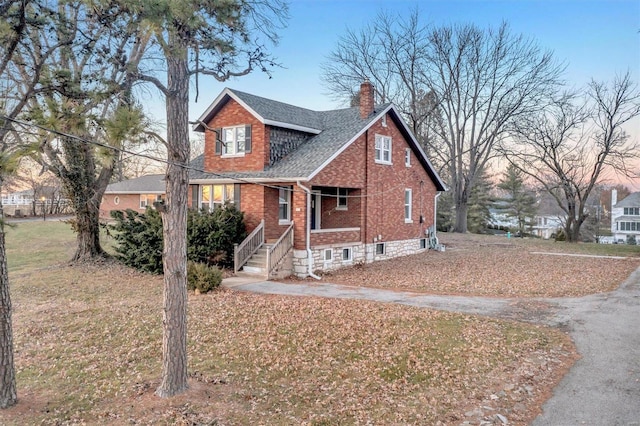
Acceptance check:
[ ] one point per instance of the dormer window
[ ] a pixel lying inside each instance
(233, 141)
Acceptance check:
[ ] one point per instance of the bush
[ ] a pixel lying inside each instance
(203, 277)
(210, 237)
(631, 240)
(139, 239)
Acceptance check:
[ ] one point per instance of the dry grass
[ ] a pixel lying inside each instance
(494, 266)
(88, 349)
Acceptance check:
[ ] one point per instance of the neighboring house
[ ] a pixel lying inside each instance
(549, 219)
(625, 217)
(319, 190)
(135, 194)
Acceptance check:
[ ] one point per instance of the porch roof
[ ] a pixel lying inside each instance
(628, 218)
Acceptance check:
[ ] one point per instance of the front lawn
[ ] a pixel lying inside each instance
(88, 348)
(487, 265)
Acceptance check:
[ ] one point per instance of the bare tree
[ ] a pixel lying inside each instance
(459, 86)
(570, 146)
(195, 38)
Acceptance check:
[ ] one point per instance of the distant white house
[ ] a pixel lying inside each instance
(549, 219)
(625, 217)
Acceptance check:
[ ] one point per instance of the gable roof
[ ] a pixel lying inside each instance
(631, 200)
(330, 133)
(149, 184)
(268, 111)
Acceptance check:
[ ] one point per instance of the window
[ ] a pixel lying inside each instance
(407, 157)
(284, 204)
(116, 200)
(233, 141)
(380, 248)
(407, 206)
(383, 149)
(213, 196)
(343, 193)
(632, 211)
(147, 200)
(328, 255)
(629, 226)
(346, 254)
(423, 243)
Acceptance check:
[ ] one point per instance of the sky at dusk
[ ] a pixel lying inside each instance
(595, 38)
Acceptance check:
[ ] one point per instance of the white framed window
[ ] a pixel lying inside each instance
(234, 141)
(147, 200)
(407, 157)
(380, 248)
(631, 211)
(346, 254)
(629, 226)
(214, 196)
(343, 194)
(383, 149)
(407, 205)
(284, 204)
(423, 243)
(328, 255)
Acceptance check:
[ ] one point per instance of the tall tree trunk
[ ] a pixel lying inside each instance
(462, 210)
(8, 394)
(87, 229)
(174, 224)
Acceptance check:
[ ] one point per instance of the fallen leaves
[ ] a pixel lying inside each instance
(484, 266)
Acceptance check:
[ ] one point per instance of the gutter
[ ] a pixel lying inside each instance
(308, 231)
(435, 217)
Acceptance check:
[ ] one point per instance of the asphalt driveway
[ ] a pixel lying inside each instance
(602, 388)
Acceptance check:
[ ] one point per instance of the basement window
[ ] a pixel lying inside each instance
(380, 248)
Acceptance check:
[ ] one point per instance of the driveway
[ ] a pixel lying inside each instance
(602, 388)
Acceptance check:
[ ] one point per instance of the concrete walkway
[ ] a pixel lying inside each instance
(602, 388)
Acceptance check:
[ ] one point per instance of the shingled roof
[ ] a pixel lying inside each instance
(330, 133)
(149, 184)
(631, 200)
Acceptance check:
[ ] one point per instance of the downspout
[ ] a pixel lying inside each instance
(308, 231)
(435, 217)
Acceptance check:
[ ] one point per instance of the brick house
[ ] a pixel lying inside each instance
(334, 187)
(135, 194)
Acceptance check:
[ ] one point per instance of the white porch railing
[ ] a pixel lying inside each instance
(279, 249)
(246, 249)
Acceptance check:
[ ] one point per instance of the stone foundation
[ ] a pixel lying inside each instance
(360, 253)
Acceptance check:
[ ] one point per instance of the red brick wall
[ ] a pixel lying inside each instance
(386, 185)
(334, 218)
(126, 201)
(328, 238)
(382, 210)
(233, 114)
(252, 203)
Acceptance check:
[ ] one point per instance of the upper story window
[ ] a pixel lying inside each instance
(383, 149)
(632, 211)
(233, 141)
(407, 157)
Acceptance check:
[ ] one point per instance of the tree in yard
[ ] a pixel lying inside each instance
(84, 105)
(459, 87)
(519, 202)
(19, 17)
(480, 201)
(572, 144)
(201, 37)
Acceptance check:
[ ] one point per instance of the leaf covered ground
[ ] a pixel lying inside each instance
(88, 349)
(496, 266)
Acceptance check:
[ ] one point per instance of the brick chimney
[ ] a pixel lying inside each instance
(614, 198)
(366, 99)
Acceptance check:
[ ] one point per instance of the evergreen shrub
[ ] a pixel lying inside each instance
(202, 277)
